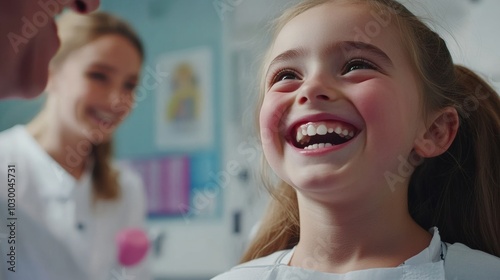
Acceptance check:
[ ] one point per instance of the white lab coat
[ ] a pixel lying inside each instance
(59, 234)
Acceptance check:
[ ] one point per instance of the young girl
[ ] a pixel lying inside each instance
(387, 152)
(70, 201)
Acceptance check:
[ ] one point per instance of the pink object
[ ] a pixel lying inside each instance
(132, 244)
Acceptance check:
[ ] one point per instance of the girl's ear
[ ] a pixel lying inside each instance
(435, 139)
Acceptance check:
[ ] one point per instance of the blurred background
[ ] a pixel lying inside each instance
(202, 176)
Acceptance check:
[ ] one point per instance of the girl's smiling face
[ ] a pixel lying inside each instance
(340, 109)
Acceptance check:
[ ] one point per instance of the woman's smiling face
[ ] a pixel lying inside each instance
(338, 112)
(95, 85)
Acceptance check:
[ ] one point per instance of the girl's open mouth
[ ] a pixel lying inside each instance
(322, 134)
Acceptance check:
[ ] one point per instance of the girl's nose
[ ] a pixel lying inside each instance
(317, 90)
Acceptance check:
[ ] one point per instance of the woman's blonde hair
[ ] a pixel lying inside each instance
(458, 191)
(76, 31)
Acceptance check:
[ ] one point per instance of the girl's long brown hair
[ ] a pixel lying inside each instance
(458, 191)
(75, 31)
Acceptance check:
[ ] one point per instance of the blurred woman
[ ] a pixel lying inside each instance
(70, 200)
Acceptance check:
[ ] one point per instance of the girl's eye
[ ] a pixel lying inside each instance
(97, 76)
(358, 64)
(284, 75)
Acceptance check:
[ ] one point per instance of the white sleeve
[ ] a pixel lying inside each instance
(135, 199)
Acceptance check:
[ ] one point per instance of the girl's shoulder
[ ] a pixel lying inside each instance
(462, 262)
(273, 259)
(255, 269)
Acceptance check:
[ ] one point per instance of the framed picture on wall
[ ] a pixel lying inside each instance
(184, 108)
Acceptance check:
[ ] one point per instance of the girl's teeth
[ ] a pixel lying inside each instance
(318, 146)
(321, 130)
(299, 136)
(311, 130)
(304, 133)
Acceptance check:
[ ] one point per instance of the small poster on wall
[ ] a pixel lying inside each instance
(184, 115)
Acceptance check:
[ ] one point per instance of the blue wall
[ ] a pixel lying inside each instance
(166, 26)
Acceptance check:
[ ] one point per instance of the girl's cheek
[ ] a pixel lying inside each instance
(376, 104)
(271, 140)
(271, 118)
(267, 126)
(370, 109)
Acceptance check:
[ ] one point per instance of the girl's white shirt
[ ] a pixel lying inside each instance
(439, 261)
(59, 233)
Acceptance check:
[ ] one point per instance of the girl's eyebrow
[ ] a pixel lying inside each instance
(350, 46)
(345, 47)
(288, 55)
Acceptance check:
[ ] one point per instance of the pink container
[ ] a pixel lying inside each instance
(132, 244)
